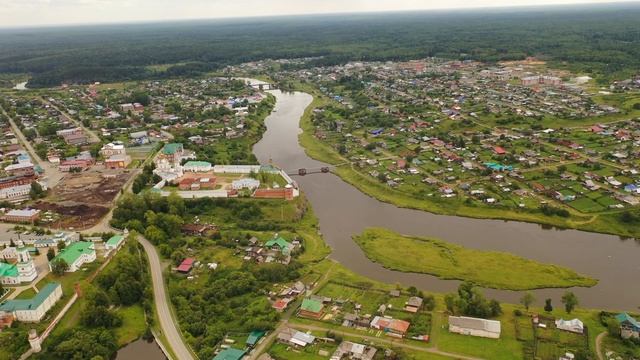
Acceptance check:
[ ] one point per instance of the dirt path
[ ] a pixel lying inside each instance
(599, 345)
(394, 343)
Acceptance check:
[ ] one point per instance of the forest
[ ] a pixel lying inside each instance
(601, 40)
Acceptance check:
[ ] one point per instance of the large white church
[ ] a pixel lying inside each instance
(22, 270)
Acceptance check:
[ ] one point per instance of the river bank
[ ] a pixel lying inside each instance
(608, 223)
(344, 211)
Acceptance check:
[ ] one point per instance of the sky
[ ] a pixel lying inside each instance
(27, 13)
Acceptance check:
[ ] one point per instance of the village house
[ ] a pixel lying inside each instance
(413, 304)
(575, 325)
(111, 149)
(350, 350)
(391, 327)
(34, 309)
(119, 161)
(186, 265)
(311, 308)
(230, 354)
(629, 327)
(474, 327)
(295, 338)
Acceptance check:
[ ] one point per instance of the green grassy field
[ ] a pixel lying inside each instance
(450, 261)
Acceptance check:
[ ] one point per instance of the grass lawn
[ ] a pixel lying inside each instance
(284, 352)
(505, 348)
(133, 324)
(449, 261)
(26, 294)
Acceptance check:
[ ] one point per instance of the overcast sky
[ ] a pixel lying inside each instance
(47, 12)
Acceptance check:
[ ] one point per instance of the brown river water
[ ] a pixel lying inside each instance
(344, 211)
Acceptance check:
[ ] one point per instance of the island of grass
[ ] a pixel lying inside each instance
(491, 269)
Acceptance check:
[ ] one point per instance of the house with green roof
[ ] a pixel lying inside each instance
(311, 308)
(76, 255)
(197, 166)
(280, 244)
(114, 242)
(34, 309)
(9, 274)
(629, 327)
(254, 337)
(230, 354)
(172, 149)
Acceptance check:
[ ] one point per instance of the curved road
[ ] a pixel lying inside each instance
(171, 332)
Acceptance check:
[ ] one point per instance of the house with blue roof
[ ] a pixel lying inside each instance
(629, 327)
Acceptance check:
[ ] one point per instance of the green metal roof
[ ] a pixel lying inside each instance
(30, 304)
(311, 305)
(72, 252)
(8, 270)
(254, 337)
(170, 149)
(230, 354)
(198, 163)
(624, 317)
(114, 240)
(282, 243)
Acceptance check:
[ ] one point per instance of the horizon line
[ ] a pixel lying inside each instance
(336, 13)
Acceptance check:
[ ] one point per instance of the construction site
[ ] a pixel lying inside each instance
(82, 199)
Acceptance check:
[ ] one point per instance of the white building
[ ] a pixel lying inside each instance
(76, 255)
(34, 309)
(474, 327)
(246, 183)
(22, 271)
(197, 166)
(111, 149)
(15, 193)
(575, 325)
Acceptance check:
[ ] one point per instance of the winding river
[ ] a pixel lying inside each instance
(344, 211)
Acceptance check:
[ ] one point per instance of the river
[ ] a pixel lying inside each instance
(141, 350)
(344, 211)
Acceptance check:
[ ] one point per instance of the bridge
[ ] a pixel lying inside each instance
(307, 171)
(263, 86)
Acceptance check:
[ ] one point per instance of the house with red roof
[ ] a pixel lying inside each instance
(391, 327)
(499, 150)
(186, 265)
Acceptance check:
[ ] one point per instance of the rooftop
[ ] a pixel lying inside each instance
(71, 253)
(30, 304)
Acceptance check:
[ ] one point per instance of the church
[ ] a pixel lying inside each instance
(19, 268)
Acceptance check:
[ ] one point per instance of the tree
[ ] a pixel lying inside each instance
(570, 301)
(527, 299)
(547, 305)
(36, 191)
(51, 254)
(61, 245)
(59, 267)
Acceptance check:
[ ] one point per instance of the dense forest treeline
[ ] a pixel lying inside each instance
(603, 40)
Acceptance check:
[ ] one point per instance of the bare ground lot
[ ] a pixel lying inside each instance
(82, 199)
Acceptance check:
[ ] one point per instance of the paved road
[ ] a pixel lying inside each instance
(51, 172)
(94, 137)
(169, 328)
